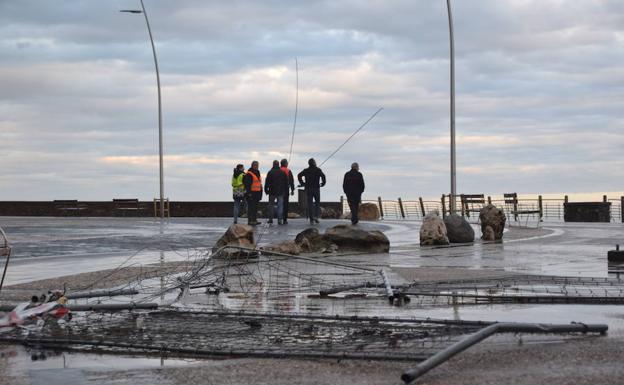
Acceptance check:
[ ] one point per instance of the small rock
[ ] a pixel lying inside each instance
(492, 217)
(236, 235)
(286, 247)
(458, 229)
(433, 230)
(368, 212)
(329, 213)
(488, 234)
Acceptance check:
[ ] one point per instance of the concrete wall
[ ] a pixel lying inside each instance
(145, 209)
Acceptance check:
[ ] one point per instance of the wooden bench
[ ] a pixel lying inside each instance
(471, 203)
(69, 206)
(513, 207)
(123, 206)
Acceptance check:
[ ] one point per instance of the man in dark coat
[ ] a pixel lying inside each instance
(253, 192)
(291, 184)
(314, 180)
(353, 187)
(275, 187)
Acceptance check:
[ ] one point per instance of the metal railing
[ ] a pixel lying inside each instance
(552, 209)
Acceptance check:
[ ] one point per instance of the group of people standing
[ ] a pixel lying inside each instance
(247, 188)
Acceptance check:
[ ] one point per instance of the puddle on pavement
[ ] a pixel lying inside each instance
(21, 360)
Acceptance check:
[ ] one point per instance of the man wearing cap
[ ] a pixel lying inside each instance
(353, 187)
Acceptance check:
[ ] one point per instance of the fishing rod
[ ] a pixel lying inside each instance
(292, 138)
(352, 135)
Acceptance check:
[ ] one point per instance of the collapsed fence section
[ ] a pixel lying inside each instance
(208, 334)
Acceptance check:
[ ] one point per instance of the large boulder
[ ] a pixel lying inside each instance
(433, 230)
(352, 238)
(236, 235)
(311, 241)
(458, 229)
(368, 212)
(285, 247)
(494, 218)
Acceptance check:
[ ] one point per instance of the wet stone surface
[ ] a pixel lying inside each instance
(47, 248)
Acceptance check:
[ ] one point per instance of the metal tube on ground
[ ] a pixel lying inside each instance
(114, 307)
(102, 293)
(389, 290)
(444, 355)
(339, 289)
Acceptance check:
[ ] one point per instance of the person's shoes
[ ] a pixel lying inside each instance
(285, 222)
(354, 223)
(316, 220)
(279, 222)
(270, 221)
(311, 221)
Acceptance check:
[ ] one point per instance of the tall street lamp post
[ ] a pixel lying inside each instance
(453, 162)
(160, 130)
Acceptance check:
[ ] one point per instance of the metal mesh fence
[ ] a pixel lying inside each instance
(210, 334)
(519, 289)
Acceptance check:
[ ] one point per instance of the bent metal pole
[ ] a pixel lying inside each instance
(504, 327)
(453, 160)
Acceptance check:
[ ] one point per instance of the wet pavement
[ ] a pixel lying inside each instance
(49, 247)
(52, 247)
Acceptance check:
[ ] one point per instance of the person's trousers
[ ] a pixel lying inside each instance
(237, 205)
(252, 209)
(285, 213)
(354, 205)
(314, 210)
(280, 207)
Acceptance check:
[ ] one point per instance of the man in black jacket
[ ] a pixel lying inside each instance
(275, 187)
(314, 180)
(253, 192)
(353, 187)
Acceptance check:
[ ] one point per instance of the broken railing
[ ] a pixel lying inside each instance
(551, 208)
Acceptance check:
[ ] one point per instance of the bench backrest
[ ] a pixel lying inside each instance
(473, 198)
(126, 203)
(511, 198)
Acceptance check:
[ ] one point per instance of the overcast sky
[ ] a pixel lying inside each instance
(540, 93)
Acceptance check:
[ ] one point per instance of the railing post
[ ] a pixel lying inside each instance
(541, 208)
(422, 206)
(604, 198)
(622, 209)
(565, 199)
(342, 203)
(461, 205)
(380, 207)
(443, 207)
(489, 200)
(401, 208)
